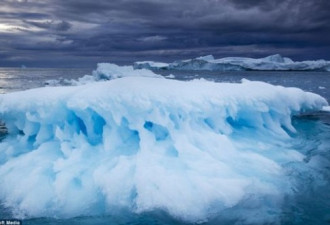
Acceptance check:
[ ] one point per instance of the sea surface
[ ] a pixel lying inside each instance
(16, 79)
(311, 202)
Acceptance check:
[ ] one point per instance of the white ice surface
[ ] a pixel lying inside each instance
(326, 108)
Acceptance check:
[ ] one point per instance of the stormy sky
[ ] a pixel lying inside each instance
(80, 33)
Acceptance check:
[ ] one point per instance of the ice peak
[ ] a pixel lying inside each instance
(206, 58)
(275, 58)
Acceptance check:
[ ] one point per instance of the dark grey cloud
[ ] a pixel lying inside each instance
(67, 32)
(51, 25)
(22, 15)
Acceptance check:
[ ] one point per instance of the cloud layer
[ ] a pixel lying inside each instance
(75, 32)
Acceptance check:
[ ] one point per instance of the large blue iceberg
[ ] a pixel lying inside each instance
(269, 63)
(191, 149)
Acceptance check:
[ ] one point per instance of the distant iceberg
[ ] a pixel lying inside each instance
(140, 143)
(150, 65)
(269, 63)
(109, 71)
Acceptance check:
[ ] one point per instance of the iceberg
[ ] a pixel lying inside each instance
(109, 71)
(104, 72)
(150, 65)
(270, 63)
(139, 143)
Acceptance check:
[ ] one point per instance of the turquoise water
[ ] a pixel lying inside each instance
(310, 203)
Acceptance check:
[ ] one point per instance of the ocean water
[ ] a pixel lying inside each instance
(316, 82)
(15, 79)
(309, 205)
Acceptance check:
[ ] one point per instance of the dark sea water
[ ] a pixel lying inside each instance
(316, 82)
(16, 79)
(309, 205)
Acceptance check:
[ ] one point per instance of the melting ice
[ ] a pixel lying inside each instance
(192, 149)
